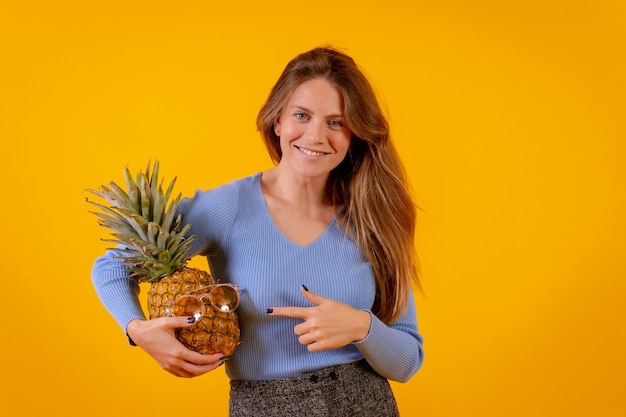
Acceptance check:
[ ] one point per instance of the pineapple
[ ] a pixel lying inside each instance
(151, 242)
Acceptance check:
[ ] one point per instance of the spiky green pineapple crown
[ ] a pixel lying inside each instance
(150, 237)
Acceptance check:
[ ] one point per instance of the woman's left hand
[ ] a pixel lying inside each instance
(328, 325)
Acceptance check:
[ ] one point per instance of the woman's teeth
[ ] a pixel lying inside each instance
(310, 152)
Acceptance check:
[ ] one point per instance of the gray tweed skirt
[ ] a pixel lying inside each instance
(343, 391)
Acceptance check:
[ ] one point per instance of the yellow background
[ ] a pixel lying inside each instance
(509, 116)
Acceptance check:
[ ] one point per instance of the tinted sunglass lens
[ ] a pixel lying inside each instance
(225, 298)
(188, 305)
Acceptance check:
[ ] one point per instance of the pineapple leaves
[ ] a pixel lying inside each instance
(150, 237)
(133, 190)
(144, 190)
(154, 179)
(161, 204)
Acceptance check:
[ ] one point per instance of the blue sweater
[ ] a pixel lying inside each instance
(269, 270)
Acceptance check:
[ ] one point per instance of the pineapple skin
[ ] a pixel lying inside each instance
(215, 332)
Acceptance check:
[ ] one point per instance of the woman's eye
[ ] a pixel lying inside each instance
(300, 116)
(335, 123)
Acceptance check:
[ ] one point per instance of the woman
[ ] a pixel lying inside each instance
(321, 246)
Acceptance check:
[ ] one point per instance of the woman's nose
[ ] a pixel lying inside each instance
(315, 132)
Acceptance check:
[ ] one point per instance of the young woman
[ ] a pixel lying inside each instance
(321, 247)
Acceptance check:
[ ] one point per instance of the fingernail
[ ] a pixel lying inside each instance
(191, 320)
(269, 310)
(305, 288)
(221, 363)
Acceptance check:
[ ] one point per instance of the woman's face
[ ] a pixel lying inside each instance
(313, 135)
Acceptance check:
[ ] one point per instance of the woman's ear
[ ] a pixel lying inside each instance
(277, 126)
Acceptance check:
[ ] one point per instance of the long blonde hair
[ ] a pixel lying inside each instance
(370, 184)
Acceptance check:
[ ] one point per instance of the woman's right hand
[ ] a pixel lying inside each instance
(158, 338)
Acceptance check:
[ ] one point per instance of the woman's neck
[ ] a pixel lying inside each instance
(299, 193)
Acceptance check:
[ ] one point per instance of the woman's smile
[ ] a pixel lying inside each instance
(310, 152)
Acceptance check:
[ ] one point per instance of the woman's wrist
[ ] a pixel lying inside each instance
(364, 325)
(130, 330)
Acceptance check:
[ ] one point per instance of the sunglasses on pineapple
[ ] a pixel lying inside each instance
(222, 297)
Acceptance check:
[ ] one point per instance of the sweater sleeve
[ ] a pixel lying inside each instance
(394, 351)
(116, 290)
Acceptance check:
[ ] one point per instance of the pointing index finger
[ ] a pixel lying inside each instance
(296, 312)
